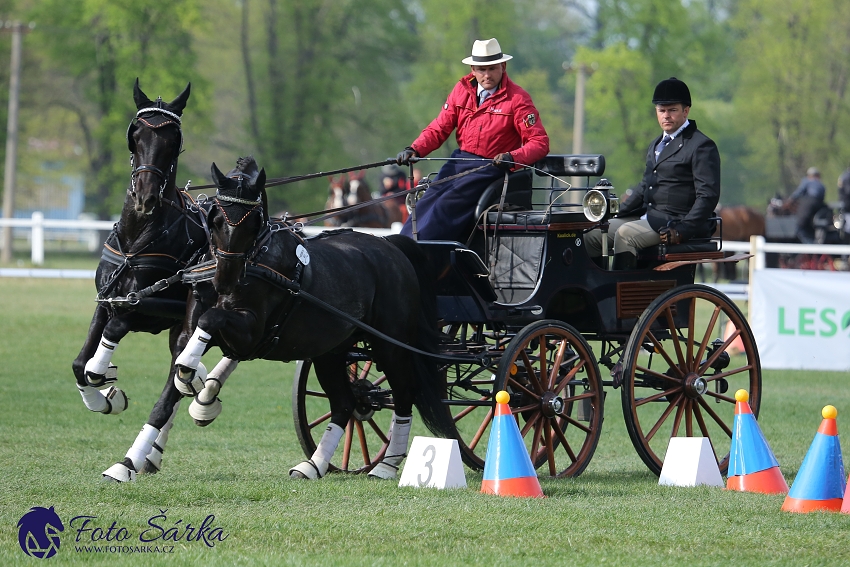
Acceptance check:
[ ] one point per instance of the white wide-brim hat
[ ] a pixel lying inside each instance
(486, 52)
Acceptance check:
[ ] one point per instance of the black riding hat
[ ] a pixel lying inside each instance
(671, 91)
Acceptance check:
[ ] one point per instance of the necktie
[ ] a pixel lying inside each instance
(661, 145)
(482, 97)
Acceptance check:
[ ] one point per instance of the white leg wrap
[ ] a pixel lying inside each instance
(119, 473)
(190, 382)
(100, 361)
(142, 446)
(223, 369)
(397, 449)
(154, 459)
(318, 464)
(112, 400)
(191, 355)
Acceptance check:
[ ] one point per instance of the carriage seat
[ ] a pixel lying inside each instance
(518, 196)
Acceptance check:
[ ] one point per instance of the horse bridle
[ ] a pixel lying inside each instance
(135, 171)
(256, 204)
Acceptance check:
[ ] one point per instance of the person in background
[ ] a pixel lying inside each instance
(680, 187)
(809, 197)
(495, 119)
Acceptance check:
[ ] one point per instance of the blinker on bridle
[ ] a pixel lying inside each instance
(135, 171)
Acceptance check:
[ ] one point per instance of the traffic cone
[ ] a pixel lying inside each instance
(845, 506)
(507, 469)
(752, 466)
(820, 483)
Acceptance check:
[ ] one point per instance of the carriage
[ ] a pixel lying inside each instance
(523, 308)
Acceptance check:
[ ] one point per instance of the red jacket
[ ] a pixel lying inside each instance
(506, 122)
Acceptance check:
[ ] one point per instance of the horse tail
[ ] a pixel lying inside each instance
(430, 385)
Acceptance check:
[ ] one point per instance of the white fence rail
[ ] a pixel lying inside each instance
(38, 224)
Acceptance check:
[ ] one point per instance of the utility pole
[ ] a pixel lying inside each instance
(17, 30)
(582, 71)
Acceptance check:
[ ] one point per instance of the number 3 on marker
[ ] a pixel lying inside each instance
(427, 464)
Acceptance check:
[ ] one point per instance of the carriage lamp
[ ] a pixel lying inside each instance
(600, 203)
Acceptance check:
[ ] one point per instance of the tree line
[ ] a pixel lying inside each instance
(314, 85)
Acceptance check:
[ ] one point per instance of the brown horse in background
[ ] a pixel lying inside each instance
(352, 189)
(739, 224)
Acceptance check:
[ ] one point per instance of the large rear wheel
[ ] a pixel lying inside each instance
(690, 351)
(556, 394)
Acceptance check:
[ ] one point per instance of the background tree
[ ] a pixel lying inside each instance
(91, 52)
(793, 100)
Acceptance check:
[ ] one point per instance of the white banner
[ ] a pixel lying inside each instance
(801, 318)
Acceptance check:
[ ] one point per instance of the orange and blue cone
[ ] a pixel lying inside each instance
(752, 466)
(507, 469)
(820, 483)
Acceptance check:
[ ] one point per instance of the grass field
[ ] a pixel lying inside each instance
(53, 451)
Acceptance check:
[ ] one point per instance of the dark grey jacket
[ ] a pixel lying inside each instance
(682, 189)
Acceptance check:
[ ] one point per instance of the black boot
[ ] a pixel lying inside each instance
(624, 261)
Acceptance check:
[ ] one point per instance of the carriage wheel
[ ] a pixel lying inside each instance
(367, 434)
(690, 351)
(470, 392)
(556, 394)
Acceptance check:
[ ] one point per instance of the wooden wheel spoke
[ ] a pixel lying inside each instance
(720, 375)
(366, 368)
(715, 417)
(529, 424)
(315, 394)
(550, 446)
(575, 422)
(584, 396)
(467, 410)
(364, 447)
(689, 420)
(707, 336)
(658, 396)
(321, 419)
(719, 396)
(346, 446)
(691, 320)
(556, 365)
(674, 333)
(566, 444)
(659, 348)
(481, 429)
(701, 421)
(513, 383)
(541, 339)
(707, 364)
(663, 417)
(659, 375)
(535, 440)
(565, 381)
(532, 374)
(680, 410)
(378, 431)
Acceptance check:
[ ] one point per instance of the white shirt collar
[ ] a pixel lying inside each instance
(677, 132)
(491, 91)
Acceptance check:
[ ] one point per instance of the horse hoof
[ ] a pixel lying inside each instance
(204, 414)
(119, 473)
(383, 471)
(190, 382)
(149, 468)
(116, 401)
(305, 470)
(297, 475)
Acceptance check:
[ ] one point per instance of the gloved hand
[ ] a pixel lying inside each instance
(403, 157)
(669, 235)
(504, 161)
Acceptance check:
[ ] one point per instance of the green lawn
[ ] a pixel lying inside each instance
(53, 451)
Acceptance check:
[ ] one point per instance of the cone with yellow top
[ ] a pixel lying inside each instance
(820, 483)
(752, 466)
(507, 469)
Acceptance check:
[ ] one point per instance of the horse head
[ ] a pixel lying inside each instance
(239, 213)
(155, 140)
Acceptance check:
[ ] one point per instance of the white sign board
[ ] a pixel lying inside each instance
(690, 461)
(434, 463)
(801, 319)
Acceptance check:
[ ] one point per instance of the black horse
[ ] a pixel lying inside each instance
(159, 233)
(251, 311)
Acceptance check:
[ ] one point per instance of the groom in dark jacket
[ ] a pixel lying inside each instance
(680, 186)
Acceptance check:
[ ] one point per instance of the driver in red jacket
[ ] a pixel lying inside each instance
(495, 119)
